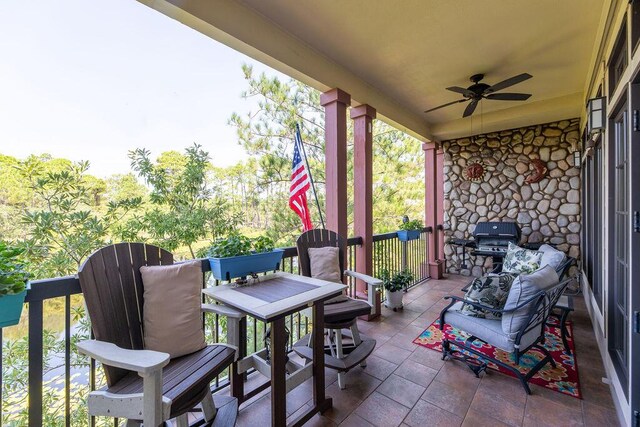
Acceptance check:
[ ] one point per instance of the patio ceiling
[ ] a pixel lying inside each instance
(400, 56)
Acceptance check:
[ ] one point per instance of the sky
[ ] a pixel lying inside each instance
(89, 80)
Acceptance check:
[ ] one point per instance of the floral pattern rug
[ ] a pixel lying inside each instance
(564, 378)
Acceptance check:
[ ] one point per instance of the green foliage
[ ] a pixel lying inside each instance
(237, 245)
(67, 228)
(183, 207)
(13, 273)
(398, 281)
(415, 224)
(263, 244)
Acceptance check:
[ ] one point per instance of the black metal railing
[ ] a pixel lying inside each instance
(388, 253)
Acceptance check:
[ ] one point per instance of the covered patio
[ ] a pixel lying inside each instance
(406, 384)
(537, 162)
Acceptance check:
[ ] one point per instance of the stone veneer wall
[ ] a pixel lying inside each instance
(548, 210)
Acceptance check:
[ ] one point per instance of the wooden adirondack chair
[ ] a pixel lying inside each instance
(143, 385)
(340, 318)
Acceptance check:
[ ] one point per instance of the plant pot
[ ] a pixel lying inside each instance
(239, 266)
(394, 300)
(11, 308)
(406, 235)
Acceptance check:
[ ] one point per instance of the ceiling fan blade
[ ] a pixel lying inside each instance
(509, 82)
(509, 96)
(447, 104)
(458, 89)
(470, 108)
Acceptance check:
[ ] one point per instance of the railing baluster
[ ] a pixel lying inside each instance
(67, 360)
(35, 363)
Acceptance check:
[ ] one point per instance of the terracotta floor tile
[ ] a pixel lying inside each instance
(426, 414)
(598, 416)
(381, 411)
(448, 397)
(344, 403)
(360, 384)
(427, 357)
(544, 412)
(378, 367)
(480, 419)
(499, 404)
(392, 353)
(416, 372)
(401, 390)
(354, 420)
(457, 374)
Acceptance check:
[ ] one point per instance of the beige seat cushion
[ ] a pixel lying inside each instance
(172, 308)
(325, 265)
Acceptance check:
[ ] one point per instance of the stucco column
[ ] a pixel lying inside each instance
(432, 207)
(363, 116)
(335, 104)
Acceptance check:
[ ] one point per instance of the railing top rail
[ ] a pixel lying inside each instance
(44, 289)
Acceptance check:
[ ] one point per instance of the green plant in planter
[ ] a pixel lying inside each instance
(13, 284)
(238, 245)
(13, 274)
(398, 281)
(415, 224)
(234, 245)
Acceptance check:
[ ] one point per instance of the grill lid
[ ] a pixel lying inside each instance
(497, 229)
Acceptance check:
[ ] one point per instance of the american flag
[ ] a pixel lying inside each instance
(299, 185)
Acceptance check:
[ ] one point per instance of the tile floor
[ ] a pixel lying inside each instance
(405, 384)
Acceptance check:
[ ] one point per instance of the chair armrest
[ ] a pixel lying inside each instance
(143, 362)
(365, 278)
(494, 310)
(222, 310)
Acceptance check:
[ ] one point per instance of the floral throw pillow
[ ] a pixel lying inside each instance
(491, 290)
(519, 260)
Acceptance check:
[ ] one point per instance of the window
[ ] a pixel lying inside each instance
(618, 61)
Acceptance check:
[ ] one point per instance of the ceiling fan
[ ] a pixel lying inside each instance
(478, 91)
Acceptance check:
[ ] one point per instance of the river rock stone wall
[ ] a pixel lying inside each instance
(547, 210)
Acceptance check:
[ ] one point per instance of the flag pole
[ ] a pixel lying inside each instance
(313, 185)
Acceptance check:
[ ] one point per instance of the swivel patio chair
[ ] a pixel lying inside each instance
(521, 328)
(340, 314)
(147, 386)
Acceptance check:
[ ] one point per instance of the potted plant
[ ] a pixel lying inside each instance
(13, 284)
(410, 230)
(240, 256)
(395, 285)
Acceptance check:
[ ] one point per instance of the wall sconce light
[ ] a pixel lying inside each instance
(577, 158)
(596, 115)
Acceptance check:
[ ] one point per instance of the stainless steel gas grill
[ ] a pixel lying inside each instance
(493, 238)
(489, 239)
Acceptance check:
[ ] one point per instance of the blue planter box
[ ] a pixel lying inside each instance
(406, 235)
(239, 266)
(11, 308)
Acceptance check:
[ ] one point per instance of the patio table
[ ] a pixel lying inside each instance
(270, 299)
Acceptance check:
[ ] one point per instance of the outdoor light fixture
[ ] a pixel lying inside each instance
(596, 115)
(576, 158)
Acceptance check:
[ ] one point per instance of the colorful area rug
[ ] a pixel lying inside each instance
(564, 378)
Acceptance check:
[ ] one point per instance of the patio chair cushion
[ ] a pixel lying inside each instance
(523, 288)
(490, 290)
(519, 260)
(325, 265)
(551, 256)
(488, 330)
(172, 317)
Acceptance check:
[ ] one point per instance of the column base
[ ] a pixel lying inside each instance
(436, 269)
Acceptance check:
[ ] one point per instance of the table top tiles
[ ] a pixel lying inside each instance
(274, 294)
(276, 289)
